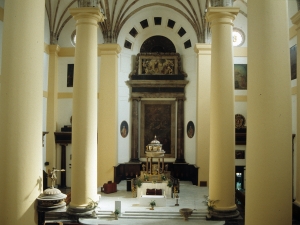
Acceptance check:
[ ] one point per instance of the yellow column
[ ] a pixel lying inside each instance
(84, 122)
(108, 128)
(269, 130)
(52, 106)
(203, 110)
(222, 143)
(296, 21)
(21, 111)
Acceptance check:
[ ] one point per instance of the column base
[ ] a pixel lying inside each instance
(227, 215)
(180, 161)
(80, 211)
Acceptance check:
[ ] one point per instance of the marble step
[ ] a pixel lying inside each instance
(152, 214)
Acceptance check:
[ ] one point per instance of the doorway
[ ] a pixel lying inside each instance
(240, 177)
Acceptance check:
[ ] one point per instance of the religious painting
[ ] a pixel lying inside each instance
(293, 61)
(124, 129)
(239, 121)
(239, 154)
(158, 120)
(158, 64)
(70, 75)
(190, 129)
(240, 76)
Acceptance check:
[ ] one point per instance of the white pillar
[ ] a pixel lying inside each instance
(222, 123)
(203, 111)
(21, 110)
(84, 122)
(269, 130)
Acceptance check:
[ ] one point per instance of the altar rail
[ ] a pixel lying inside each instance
(181, 171)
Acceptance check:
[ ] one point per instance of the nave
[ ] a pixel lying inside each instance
(190, 196)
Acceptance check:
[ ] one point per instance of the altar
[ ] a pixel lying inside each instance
(166, 191)
(153, 176)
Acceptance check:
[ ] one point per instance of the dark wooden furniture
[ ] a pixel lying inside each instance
(63, 138)
(241, 136)
(109, 187)
(154, 191)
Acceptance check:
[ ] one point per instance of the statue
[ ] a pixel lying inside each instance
(52, 175)
(176, 192)
(166, 167)
(144, 169)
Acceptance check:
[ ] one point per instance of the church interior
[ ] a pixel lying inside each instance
(187, 105)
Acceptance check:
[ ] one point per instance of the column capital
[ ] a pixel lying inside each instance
(296, 20)
(53, 49)
(63, 144)
(180, 99)
(217, 15)
(86, 12)
(202, 49)
(109, 49)
(136, 99)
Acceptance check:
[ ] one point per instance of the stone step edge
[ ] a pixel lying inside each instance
(153, 216)
(167, 217)
(159, 214)
(164, 212)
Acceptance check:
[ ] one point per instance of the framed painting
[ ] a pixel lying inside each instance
(190, 129)
(239, 154)
(158, 119)
(293, 61)
(124, 129)
(70, 75)
(240, 76)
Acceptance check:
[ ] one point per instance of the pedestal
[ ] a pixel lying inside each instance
(176, 204)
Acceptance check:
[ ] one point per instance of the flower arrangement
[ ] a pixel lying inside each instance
(209, 203)
(139, 183)
(163, 177)
(146, 177)
(152, 204)
(170, 184)
(92, 204)
(116, 212)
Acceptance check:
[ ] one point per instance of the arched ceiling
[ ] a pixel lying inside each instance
(118, 12)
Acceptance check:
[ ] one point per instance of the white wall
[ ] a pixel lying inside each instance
(188, 58)
(124, 107)
(189, 66)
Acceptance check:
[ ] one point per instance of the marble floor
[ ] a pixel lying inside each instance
(190, 196)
